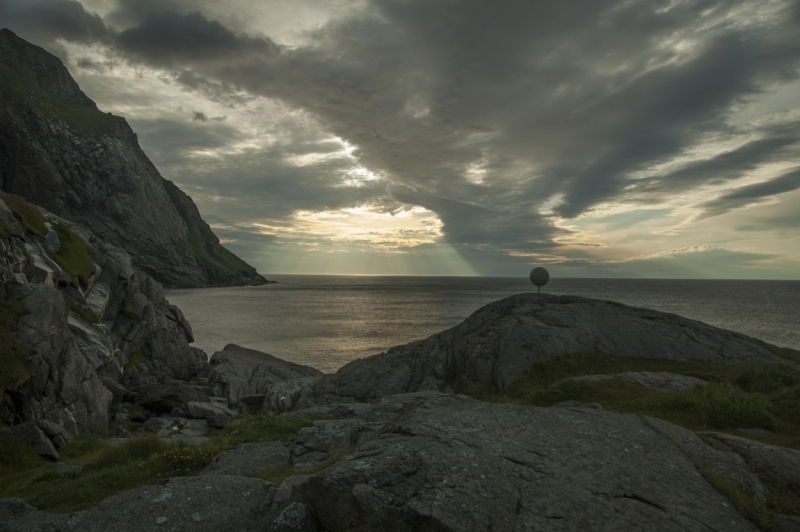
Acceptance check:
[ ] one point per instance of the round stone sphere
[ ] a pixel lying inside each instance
(540, 276)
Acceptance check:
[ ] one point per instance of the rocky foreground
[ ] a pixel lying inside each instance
(433, 461)
(401, 449)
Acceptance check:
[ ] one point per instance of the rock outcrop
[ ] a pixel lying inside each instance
(432, 461)
(76, 343)
(502, 339)
(59, 151)
(258, 379)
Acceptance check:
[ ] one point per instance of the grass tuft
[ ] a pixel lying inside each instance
(87, 314)
(135, 360)
(753, 508)
(739, 395)
(29, 216)
(261, 427)
(109, 470)
(72, 256)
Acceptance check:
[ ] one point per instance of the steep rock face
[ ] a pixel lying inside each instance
(502, 339)
(59, 151)
(75, 344)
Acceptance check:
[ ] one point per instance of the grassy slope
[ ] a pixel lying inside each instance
(28, 215)
(765, 396)
(109, 470)
(72, 256)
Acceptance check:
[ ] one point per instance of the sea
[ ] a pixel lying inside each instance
(326, 321)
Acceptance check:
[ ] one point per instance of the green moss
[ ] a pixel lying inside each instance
(13, 356)
(135, 360)
(260, 428)
(739, 395)
(109, 470)
(128, 311)
(753, 508)
(87, 314)
(29, 216)
(16, 457)
(72, 256)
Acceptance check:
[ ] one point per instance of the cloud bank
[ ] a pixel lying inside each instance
(570, 133)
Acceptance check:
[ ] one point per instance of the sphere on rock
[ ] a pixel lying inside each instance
(540, 276)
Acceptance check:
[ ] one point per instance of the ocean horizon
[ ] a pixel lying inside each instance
(326, 321)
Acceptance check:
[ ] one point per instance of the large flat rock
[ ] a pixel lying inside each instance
(504, 338)
(459, 465)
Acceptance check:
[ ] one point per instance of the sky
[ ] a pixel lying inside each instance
(613, 138)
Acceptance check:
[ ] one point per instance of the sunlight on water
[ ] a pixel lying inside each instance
(327, 321)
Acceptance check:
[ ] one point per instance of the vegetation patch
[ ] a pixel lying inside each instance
(28, 215)
(260, 428)
(109, 470)
(739, 395)
(135, 360)
(763, 396)
(127, 310)
(753, 508)
(86, 313)
(13, 355)
(72, 256)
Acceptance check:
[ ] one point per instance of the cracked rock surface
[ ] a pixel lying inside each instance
(458, 464)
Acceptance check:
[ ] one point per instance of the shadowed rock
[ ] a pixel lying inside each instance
(162, 398)
(237, 372)
(217, 416)
(504, 338)
(444, 466)
(249, 459)
(777, 466)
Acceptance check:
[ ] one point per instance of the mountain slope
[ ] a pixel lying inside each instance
(59, 151)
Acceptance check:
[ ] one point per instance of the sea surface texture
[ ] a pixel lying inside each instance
(327, 321)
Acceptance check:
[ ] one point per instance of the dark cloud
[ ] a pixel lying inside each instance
(170, 39)
(171, 142)
(266, 185)
(776, 145)
(129, 13)
(197, 115)
(543, 100)
(484, 112)
(45, 21)
(748, 195)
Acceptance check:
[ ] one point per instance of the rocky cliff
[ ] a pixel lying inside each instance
(59, 151)
(81, 327)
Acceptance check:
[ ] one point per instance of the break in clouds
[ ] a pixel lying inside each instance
(630, 138)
